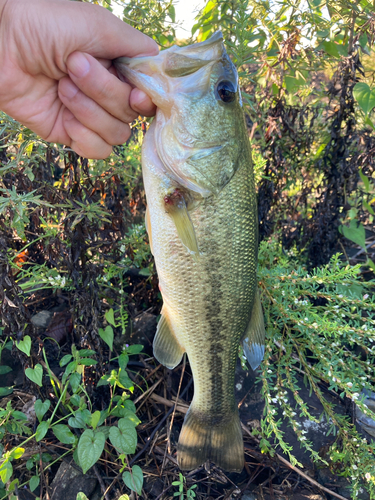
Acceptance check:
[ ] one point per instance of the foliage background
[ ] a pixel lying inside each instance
(72, 227)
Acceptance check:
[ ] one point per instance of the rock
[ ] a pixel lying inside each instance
(69, 481)
(42, 319)
(143, 330)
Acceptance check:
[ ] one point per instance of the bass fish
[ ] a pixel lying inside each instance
(202, 224)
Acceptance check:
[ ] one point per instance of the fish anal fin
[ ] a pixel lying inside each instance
(176, 206)
(167, 349)
(201, 440)
(254, 337)
(148, 228)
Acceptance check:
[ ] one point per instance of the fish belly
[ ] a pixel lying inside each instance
(208, 303)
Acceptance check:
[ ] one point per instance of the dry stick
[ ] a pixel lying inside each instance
(150, 389)
(148, 442)
(295, 469)
(168, 447)
(102, 485)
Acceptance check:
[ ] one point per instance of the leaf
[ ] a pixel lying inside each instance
(24, 345)
(34, 483)
(5, 391)
(87, 361)
(134, 481)
(107, 336)
(124, 437)
(63, 434)
(65, 359)
(74, 381)
(80, 419)
(41, 408)
(6, 471)
(365, 180)
(124, 497)
(331, 48)
(123, 361)
(110, 317)
(95, 417)
(135, 349)
(172, 13)
(41, 430)
(18, 453)
(81, 496)
(90, 447)
(35, 374)
(355, 232)
(364, 96)
(5, 369)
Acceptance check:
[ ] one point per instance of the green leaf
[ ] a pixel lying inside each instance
(18, 453)
(65, 359)
(24, 345)
(6, 471)
(110, 317)
(134, 349)
(123, 361)
(5, 391)
(41, 408)
(124, 497)
(134, 481)
(90, 447)
(34, 483)
(355, 232)
(87, 361)
(371, 264)
(63, 434)
(41, 430)
(331, 48)
(35, 374)
(5, 369)
(80, 419)
(107, 336)
(124, 437)
(368, 207)
(364, 96)
(75, 380)
(172, 13)
(365, 180)
(95, 417)
(81, 496)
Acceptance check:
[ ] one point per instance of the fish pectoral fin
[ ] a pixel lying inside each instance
(254, 338)
(167, 349)
(148, 228)
(176, 207)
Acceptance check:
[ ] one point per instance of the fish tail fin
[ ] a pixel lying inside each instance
(201, 440)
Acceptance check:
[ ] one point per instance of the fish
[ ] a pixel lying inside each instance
(201, 219)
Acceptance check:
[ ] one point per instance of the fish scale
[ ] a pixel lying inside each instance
(202, 224)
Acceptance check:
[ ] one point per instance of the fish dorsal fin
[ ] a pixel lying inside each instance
(254, 337)
(176, 207)
(167, 350)
(148, 228)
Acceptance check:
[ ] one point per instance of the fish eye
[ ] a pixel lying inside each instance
(226, 91)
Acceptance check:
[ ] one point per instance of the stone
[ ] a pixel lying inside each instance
(69, 481)
(42, 319)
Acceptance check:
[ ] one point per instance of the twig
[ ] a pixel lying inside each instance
(167, 402)
(102, 485)
(148, 442)
(296, 469)
(150, 389)
(363, 250)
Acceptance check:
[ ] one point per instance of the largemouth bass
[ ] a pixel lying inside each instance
(202, 225)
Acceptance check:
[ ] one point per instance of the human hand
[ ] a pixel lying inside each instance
(56, 74)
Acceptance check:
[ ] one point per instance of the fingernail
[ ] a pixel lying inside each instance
(78, 64)
(68, 89)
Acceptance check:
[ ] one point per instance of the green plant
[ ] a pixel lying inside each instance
(315, 322)
(181, 483)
